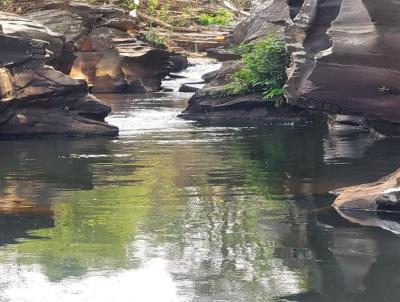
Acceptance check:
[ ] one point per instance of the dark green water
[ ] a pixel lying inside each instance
(182, 211)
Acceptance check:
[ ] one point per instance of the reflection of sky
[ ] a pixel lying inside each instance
(27, 283)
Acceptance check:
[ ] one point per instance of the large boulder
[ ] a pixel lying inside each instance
(17, 26)
(36, 100)
(267, 17)
(383, 195)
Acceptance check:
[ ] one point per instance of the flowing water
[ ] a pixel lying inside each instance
(175, 210)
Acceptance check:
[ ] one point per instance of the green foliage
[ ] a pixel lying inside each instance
(264, 69)
(158, 9)
(154, 39)
(221, 17)
(129, 5)
(186, 18)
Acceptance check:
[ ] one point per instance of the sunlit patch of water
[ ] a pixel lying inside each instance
(152, 282)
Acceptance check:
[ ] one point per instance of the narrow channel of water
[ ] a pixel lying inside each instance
(175, 210)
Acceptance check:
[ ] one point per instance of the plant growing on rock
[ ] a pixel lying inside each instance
(221, 17)
(264, 69)
(129, 5)
(158, 9)
(154, 39)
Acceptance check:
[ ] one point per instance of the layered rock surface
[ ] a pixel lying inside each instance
(344, 55)
(36, 100)
(102, 45)
(349, 65)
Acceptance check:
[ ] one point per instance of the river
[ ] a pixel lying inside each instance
(175, 210)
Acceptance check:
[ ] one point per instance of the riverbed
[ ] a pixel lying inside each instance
(177, 210)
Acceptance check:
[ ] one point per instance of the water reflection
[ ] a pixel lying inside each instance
(183, 211)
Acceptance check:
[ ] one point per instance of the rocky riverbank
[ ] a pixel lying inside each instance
(48, 68)
(343, 60)
(36, 99)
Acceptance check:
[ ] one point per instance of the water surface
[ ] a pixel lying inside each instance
(183, 211)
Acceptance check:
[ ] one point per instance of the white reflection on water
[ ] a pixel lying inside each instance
(27, 283)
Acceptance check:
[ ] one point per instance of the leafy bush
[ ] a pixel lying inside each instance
(158, 9)
(221, 17)
(129, 5)
(154, 39)
(264, 69)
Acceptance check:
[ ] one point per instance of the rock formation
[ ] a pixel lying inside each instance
(102, 45)
(208, 103)
(35, 99)
(344, 55)
(383, 195)
(266, 17)
(350, 64)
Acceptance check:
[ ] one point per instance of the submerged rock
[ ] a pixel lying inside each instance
(188, 88)
(383, 195)
(384, 220)
(36, 100)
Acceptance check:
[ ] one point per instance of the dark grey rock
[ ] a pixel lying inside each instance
(188, 88)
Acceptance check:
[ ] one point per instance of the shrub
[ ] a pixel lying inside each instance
(154, 39)
(264, 69)
(158, 9)
(129, 5)
(221, 17)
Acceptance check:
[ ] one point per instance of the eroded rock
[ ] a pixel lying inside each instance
(37, 100)
(17, 26)
(267, 17)
(349, 66)
(383, 195)
(103, 47)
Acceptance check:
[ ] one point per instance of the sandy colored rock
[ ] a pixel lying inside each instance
(383, 195)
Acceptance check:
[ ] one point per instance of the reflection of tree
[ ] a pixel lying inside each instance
(233, 216)
(93, 230)
(31, 174)
(227, 214)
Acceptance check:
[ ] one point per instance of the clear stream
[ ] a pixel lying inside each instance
(175, 210)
